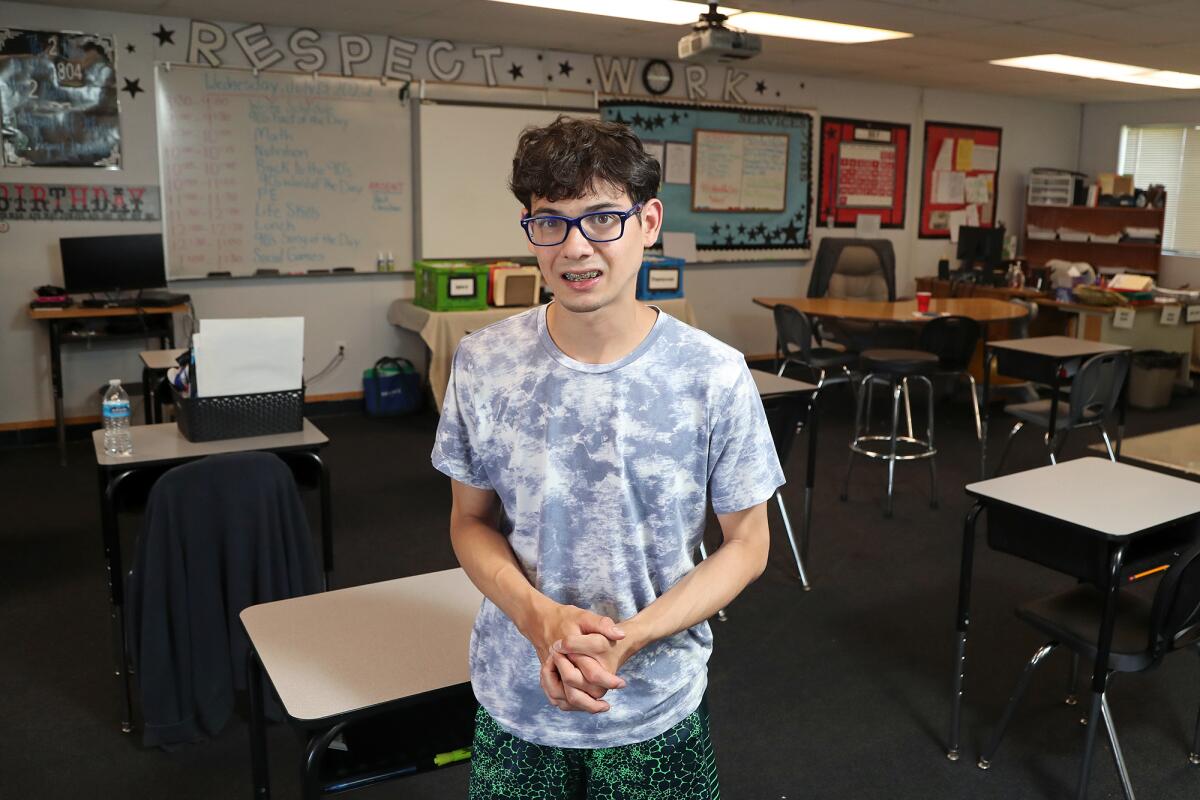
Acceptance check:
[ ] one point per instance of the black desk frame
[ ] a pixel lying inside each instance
(156, 323)
(1109, 579)
(113, 479)
(1039, 368)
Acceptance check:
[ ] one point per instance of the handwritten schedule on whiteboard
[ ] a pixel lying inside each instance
(281, 172)
(739, 171)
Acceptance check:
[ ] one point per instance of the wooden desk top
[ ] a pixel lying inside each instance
(769, 384)
(77, 312)
(981, 309)
(1114, 500)
(154, 444)
(1176, 450)
(1057, 346)
(162, 359)
(336, 652)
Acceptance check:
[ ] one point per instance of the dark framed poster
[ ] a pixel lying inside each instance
(58, 100)
(864, 170)
(959, 177)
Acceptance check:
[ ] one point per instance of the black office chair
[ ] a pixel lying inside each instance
(1095, 390)
(953, 341)
(856, 269)
(794, 336)
(1144, 633)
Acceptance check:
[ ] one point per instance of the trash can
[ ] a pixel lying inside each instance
(1151, 378)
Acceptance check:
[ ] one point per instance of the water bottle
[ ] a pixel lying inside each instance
(115, 409)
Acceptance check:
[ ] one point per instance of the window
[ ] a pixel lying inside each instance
(1170, 155)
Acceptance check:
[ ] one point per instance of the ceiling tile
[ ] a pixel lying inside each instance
(1000, 10)
(1126, 27)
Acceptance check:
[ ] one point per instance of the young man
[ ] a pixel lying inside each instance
(580, 438)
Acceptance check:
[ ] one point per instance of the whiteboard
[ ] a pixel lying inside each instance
(465, 209)
(282, 171)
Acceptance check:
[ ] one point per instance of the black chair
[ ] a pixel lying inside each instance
(794, 334)
(1095, 391)
(953, 341)
(856, 269)
(1144, 633)
(896, 368)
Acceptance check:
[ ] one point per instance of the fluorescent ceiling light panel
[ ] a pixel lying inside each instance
(670, 12)
(1103, 70)
(815, 30)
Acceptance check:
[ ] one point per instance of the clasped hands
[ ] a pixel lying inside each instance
(580, 653)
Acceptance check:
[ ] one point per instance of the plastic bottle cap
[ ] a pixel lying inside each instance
(114, 381)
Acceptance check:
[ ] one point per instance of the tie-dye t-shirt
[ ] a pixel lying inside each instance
(602, 470)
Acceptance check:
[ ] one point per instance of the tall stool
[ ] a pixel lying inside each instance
(896, 368)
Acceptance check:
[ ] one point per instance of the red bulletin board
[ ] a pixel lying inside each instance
(864, 170)
(959, 163)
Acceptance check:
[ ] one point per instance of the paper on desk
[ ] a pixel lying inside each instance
(948, 187)
(248, 356)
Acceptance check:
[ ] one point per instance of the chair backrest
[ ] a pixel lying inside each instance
(1097, 386)
(854, 269)
(793, 331)
(952, 340)
(1021, 326)
(1175, 615)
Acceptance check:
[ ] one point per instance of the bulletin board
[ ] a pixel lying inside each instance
(755, 167)
(864, 170)
(959, 178)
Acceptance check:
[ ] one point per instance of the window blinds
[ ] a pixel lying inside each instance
(1170, 155)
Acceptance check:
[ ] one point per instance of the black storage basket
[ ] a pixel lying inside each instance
(206, 419)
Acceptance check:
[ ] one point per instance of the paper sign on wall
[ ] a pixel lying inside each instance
(1170, 315)
(1123, 318)
(1193, 312)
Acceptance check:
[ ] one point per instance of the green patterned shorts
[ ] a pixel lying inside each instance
(675, 765)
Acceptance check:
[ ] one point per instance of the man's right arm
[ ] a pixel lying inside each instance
(490, 563)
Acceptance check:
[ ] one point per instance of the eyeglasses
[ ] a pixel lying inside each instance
(597, 226)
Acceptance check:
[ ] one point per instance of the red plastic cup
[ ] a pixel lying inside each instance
(923, 301)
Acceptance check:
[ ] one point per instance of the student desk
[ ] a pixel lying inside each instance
(771, 386)
(155, 364)
(74, 324)
(157, 448)
(442, 330)
(1176, 451)
(342, 657)
(1095, 520)
(1042, 359)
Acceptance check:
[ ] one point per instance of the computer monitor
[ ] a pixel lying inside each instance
(112, 263)
(982, 246)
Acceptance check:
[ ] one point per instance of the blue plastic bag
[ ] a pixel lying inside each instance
(391, 387)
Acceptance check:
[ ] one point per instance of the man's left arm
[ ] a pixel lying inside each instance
(707, 588)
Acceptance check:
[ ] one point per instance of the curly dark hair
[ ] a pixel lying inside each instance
(570, 157)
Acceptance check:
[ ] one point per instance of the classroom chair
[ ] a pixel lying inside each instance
(953, 340)
(794, 334)
(1095, 391)
(1144, 633)
(857, 269)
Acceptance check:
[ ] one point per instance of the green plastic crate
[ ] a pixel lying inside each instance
(450, 285)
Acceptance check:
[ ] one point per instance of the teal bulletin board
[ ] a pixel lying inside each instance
(774, 224)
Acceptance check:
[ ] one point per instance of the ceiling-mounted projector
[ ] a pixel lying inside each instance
(710, 40)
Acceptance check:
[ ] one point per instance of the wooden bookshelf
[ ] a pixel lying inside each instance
(1102, 220)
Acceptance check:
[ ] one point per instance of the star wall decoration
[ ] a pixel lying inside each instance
(130, 48)
(164, 36)
(517, 71)
(565, 68)
(760, 86)
(674, 117)
(132, 86)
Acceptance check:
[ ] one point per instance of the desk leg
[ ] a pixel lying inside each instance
(962, 622)
(56, 383)
(111, 535)
(146, 396)
(810, 473)
(1100, 668)
(1122, 406)
(1051, 439)
(314, 751)
(988, 357)
(326, 518)
(259, 766)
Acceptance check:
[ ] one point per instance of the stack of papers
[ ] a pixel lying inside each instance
(1106, 238)
(1143, 234)
(248, 356)
(1034, 232)
(1069, 235)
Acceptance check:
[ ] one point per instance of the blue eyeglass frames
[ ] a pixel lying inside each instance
(596, 226)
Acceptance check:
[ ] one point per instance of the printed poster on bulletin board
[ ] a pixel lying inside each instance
(958, 178)
(864, 170)
(58, 100)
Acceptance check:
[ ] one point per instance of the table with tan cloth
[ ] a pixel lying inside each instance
(442, 330)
